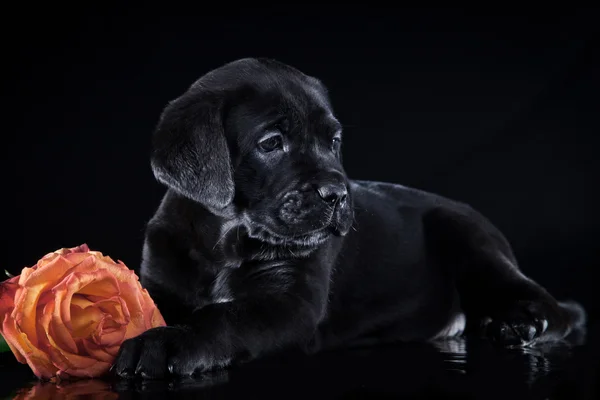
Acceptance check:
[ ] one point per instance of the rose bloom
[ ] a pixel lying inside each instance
(68, 314)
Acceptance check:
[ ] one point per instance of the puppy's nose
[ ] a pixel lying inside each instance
(333, 192)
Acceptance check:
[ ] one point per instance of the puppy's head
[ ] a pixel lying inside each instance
(258, 139)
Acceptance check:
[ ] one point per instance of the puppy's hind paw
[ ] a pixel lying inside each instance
(519, 325)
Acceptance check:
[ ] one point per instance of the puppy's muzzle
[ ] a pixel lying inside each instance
(319, 204)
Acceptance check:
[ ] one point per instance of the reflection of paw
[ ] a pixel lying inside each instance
(161, 352)
(519, 324)
(173, 387)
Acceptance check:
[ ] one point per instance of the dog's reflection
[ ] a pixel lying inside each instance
(180, 388)
(449, 367)
(530, 366)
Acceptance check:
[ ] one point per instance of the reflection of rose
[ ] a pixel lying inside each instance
(88, 388)
(69, 314)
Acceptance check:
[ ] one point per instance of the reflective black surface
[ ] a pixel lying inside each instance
(453, 369)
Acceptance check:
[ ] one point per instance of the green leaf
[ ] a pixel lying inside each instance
(3, 346)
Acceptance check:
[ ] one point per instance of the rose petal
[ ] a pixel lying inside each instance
(157, 319)
(113, 350)
(54, 270)
(37, 360)
(10, 340)
(118, 270)
(81, 250)
(129, 292)
(67, 361)
(96, 282)
(43, 261)
(59, 356)
(85, 321)
(67, 356)
(103, 284)
(81, 301)
(45, 298)
(43, 341)
(110, 333)
(137, 324)
(98, 352)
(8, 290)
(96, 369)
(33, 285)
(76, 365)
(116, 308)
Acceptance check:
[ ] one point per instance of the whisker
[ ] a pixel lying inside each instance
(354, 221)
(223, 236)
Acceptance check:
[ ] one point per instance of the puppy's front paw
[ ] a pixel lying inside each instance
(158, 353)
(521, 323)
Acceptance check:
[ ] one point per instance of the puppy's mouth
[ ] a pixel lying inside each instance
(304, 239)
(301, 221)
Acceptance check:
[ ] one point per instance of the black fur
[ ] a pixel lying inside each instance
(262, 244)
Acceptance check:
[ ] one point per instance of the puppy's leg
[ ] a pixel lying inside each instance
(280, 308)
(496, 296)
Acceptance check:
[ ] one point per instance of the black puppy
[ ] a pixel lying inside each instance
(262, 244)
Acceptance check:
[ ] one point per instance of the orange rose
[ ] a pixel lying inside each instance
(68, 314)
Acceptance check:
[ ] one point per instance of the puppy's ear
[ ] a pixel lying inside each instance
(190, 153)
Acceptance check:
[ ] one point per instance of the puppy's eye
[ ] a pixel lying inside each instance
(336, 143)
(271, 143)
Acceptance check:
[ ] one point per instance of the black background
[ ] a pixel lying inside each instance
(495, 108)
